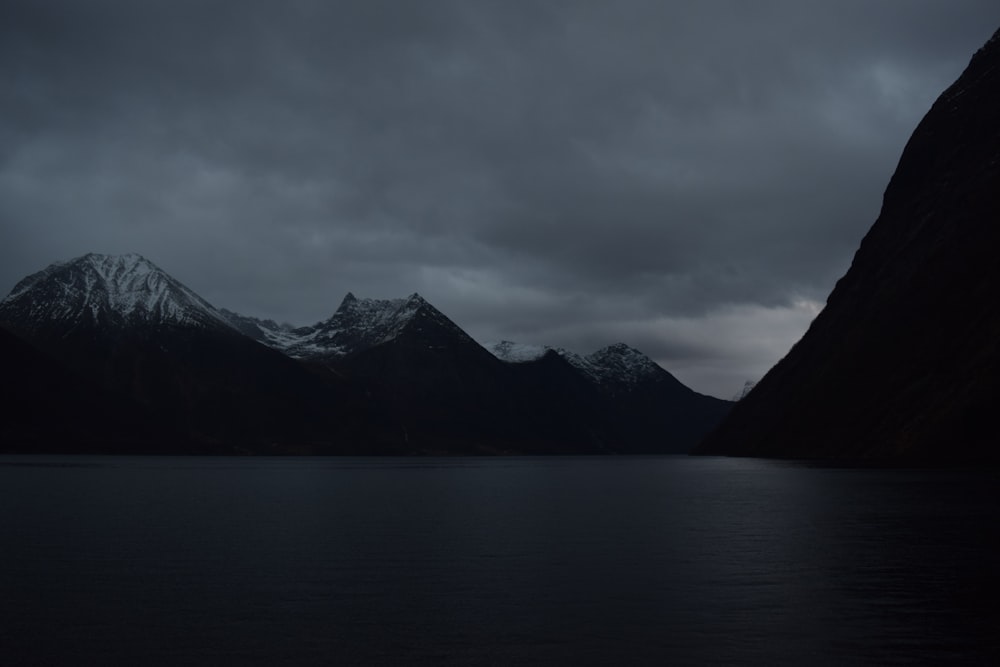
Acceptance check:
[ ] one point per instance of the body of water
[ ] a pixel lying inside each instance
(523, 561)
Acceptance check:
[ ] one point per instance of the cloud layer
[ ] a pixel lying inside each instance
(690, 178)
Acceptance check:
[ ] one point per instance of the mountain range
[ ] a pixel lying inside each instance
(903, 364)
(110, 353)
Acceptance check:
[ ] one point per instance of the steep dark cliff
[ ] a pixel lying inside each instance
(903, 364)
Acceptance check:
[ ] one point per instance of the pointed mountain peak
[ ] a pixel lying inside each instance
(351, 302)
(109, 290)
(624, 362)
(118, 269)
(356, 325)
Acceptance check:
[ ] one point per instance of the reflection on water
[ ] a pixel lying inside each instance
(494, 561)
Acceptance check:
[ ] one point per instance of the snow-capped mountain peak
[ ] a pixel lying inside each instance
(382, 317)
(624, 363)
(616, 364)
(357, 324)
(100, 288)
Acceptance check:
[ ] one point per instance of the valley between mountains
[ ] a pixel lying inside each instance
(111, 354)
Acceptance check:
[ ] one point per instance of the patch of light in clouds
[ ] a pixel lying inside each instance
(741, 342)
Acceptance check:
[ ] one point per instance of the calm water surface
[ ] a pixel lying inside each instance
(534, 561)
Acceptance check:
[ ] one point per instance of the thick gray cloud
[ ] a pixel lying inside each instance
(691, 178)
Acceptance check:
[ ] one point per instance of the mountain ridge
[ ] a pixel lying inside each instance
(378, 376)
(617, 364)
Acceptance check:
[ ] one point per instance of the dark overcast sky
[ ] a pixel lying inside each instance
(690, 178)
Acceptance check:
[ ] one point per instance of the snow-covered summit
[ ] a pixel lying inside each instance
(99, 288)
(356, 325)
(379, 319)
(624, 363)
(615, 364)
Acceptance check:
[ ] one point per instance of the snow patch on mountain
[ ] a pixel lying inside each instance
(512, 352)
(268, 332)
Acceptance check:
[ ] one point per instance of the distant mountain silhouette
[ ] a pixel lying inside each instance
(139, 362)
(903, 364)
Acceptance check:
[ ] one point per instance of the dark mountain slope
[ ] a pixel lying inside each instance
(648, 402)
(903, 364)
(45, 405)
(445, 392)
(623, 400)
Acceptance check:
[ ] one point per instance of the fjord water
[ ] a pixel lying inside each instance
(670, 560)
